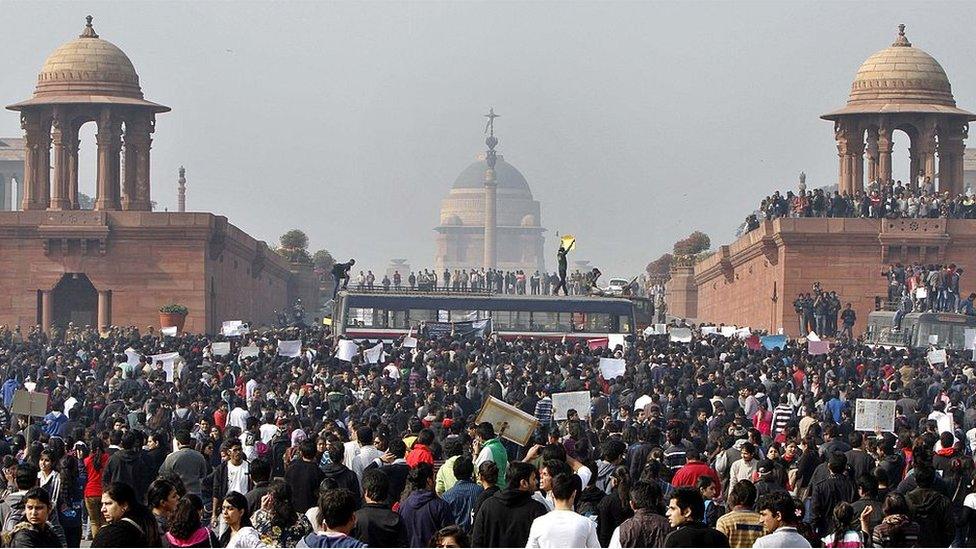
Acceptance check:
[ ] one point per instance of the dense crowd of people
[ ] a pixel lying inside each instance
(889, 200)
(711, 443)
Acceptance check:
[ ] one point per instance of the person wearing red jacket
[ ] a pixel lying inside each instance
(694, 468)
(420, 452)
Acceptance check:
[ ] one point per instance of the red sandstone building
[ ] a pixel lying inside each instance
(753, 281)
(117, 264)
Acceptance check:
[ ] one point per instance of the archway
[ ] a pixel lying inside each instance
(902, 164)
(75, 301)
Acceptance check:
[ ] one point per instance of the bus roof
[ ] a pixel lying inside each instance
(486, 301)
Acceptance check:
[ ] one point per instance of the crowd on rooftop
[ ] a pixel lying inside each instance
(701, 444)
(879, 200)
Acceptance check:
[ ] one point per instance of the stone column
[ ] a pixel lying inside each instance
(47, 310)
(924, 148)
(951, 147)
(855, 152)
(884, 155)
(72, 158)
(491, 219)
(4, 193)
(108, 139)
(104, 309)
(872, 153)
(37, 165)
(61, 138)
(138, 142)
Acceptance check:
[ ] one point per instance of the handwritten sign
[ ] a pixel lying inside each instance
(874, 415)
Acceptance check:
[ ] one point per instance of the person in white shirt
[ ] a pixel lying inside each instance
(778, 514)
(238, 417)
(268, 429)
(563, 527)
(367, 451)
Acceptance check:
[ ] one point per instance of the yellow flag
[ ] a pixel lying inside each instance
(568, 242)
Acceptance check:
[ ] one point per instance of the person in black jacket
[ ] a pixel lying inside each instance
(686, 509)
(128, 466)
(504, 520)
(340, 275)
(304, 477)
(827, 493)
(221, 477)
(336, 472)
(376, 524)
(395, 466)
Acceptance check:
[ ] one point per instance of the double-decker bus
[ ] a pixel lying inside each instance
(390, 314)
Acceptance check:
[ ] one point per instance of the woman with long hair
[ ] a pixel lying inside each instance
(127, 522)
(239, 533)
(277, 521)
(614, 508)
(846, 533)
(186, 528)
(94, 465)
(72, 502)
(451, 536)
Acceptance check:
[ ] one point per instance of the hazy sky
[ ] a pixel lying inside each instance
(634, 123)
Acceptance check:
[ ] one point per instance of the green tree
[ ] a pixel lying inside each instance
(695, 243)
(323, 261)
(294, 246)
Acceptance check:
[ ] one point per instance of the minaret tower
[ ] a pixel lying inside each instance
(181, 192)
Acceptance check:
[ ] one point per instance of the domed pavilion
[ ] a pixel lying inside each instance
(87, 80)
(901, 88)
(461, 235)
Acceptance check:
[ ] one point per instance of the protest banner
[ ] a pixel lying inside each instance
(938, 356)
(818, 347)
(509, 422)
(374, 354)
(250, 351)
(410, 342)
(774, 342)
(728, 331)
(743, 333)
(753, 343)
(220, 348)
(709, 330)
(598, 343)
(346, 350)
(681, 335)
(233, 328)
(562, 403)
(469, 329)
(874, 415)
(291, 348)
(612, 367)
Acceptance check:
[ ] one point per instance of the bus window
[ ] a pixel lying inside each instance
(598, 322)
(520, 319)
(422, 315)
(502, 320)
(398, 320)
(623, 324)
(579, 322)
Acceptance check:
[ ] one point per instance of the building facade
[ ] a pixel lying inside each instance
(755, 280)
(118, 263)
(11, 173)
(460, 238)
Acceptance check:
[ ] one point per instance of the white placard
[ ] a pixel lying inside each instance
(874, 415)
(375, 353)
(812, 336)
(970, 338)
(562, 403)
(291, 348)
(921, 292)
(231, 328)
(612, 367)
(933, 339)
(346, 350)
(220, 348)
(250, 351)
(69, 404)
(132, 357)
(681, 335)
(169, 331)
(616, 339)
(169, 362)
(743, 333)
(937, 356)
(709, 330)
(642, 401)
(727, 331)
(409, 342)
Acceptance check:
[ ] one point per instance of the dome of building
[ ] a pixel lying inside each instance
(88, 69)
(506, 175)
(900, 78)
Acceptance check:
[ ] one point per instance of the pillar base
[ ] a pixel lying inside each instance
(59, 204)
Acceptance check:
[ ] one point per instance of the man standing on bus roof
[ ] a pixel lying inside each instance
(561, 256)
(340, 273)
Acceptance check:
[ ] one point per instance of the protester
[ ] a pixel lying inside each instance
(563, 527)
(186, 529)
(35, 530)
(239, 533)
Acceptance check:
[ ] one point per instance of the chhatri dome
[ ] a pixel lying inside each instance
(88, 70)
(460, 235)
(900, 88)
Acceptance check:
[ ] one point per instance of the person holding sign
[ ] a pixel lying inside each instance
(563, 267)
(489, 447)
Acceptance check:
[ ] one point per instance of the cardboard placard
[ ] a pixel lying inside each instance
(220, 348)
(562, 403)
(346, 350)
(612, 367)
(815, 348)
(681, 335)
(27, 403)
(290, 349)
(250, 351)
(509, 422)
